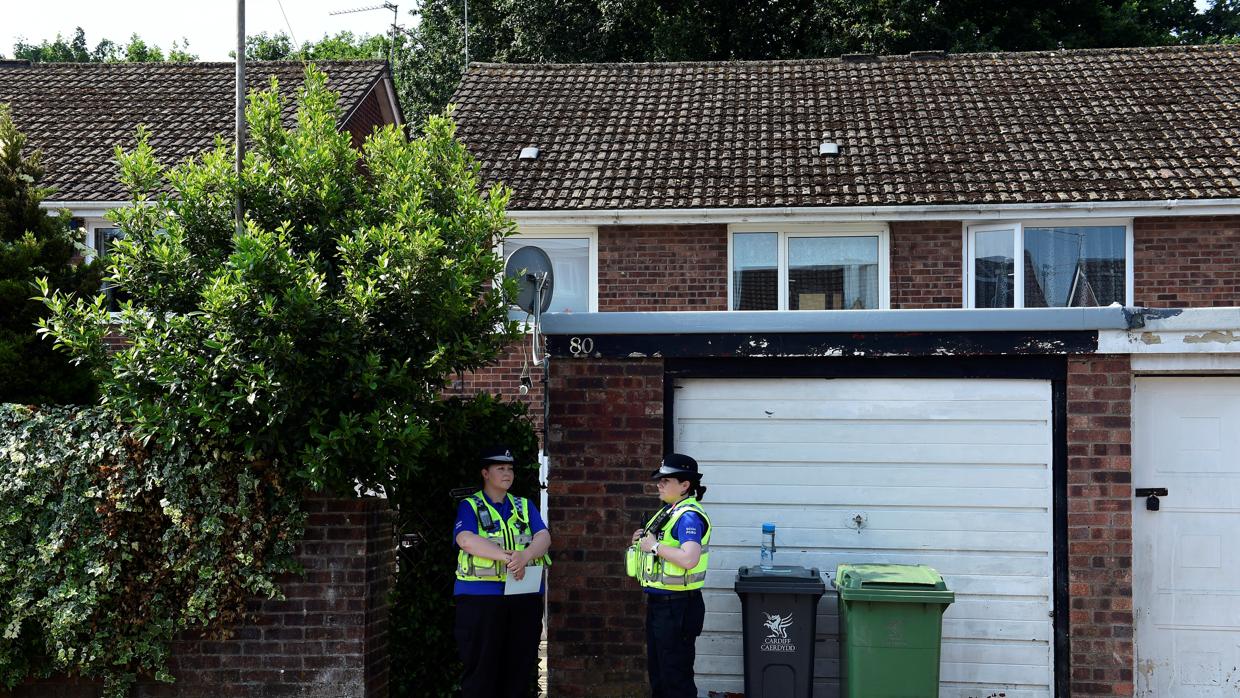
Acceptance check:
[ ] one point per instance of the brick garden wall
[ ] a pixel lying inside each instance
(1186, 262)
(605, 432)
(327, 639)
(1100, 525)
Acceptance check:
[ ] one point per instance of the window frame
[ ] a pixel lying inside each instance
(1018, 251)
(563, 232)
(787, 231)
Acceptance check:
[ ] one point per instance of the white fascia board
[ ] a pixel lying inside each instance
(848, 214)
(1177, 331)
(84, 209)
(815, 321)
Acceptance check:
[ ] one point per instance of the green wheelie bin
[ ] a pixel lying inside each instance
(891, 626)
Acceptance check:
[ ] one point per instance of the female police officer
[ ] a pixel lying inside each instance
(671, 559)
(498, 536)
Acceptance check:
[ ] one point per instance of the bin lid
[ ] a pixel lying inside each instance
(779, 579)
(897, 583)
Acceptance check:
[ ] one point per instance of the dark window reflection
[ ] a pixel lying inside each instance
(1073, 267)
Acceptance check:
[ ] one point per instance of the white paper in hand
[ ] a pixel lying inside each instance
(529, 585)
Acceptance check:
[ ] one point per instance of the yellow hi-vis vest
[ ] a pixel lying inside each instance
(513, 534)
(656, 573)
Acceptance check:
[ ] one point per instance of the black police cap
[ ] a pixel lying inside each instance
(677, 465)
(496, 454)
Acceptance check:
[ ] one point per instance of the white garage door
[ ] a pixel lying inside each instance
(955, 474)
(1186, 567)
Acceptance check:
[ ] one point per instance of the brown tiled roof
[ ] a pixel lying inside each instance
(1096, 125)
(77, 112)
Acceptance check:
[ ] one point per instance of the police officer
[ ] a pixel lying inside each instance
(672, 553)
(498, 536)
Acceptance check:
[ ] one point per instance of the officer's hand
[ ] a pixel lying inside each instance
(636, 535)
(648, 543)
(517, 561)
(519, 574)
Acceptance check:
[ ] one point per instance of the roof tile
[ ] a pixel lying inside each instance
(77, 112)
(1089, 125)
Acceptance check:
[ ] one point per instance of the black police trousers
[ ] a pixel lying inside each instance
(497, 638)
(673, 623)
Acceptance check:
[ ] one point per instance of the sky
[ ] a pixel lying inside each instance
(209, 25)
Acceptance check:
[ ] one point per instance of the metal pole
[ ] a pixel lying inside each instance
(466, 35)
(240, 131)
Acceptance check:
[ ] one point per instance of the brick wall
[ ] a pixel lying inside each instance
(365, 119)
(1100, 525)
(1186, 262)
(328, 638)
(669, 267)
(503, 378)
(605, 432)
(926, 264)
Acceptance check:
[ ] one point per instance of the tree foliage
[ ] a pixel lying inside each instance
(109, 548)
(77, 50)
(572, 31)
(34, 244)
(318, 336)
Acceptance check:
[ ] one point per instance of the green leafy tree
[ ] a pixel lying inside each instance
(570, 31)
(34, 244)
(319, 336)
(343, 46)
(76, 50)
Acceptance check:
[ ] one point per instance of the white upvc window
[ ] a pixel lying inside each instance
(808, 267)
(574, 264)
(1048, 264)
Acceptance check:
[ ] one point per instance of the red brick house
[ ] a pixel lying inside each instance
(77, 113)
(955, 310)
(329, 635)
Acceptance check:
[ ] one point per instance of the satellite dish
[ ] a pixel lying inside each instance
(531, 267)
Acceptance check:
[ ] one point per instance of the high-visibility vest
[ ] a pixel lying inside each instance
(513, 534)
(656, 573)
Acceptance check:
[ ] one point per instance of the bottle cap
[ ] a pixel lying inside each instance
(768, 528)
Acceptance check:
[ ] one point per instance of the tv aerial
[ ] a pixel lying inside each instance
(531, 267)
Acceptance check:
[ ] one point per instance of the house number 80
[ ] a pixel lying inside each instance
(579, 346)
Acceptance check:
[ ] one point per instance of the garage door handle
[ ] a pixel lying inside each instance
(1151, 495)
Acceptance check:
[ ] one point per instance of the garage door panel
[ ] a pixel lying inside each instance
(826, 516)
(838, 537)
(785, 430)
(954, 474)
(850, 390)
(1029, 476)
(926, 410)
(750, 455)
(945, 497)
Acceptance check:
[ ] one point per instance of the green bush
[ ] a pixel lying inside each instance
(32, 245)
(424, 659)
(319, 335)
(108, 547)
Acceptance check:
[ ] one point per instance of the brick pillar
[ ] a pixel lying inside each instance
(605, 436)
(1100, 524)
(925, 264)
(327, 638)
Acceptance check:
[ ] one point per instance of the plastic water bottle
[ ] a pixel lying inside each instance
(768, 546)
